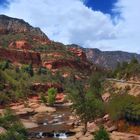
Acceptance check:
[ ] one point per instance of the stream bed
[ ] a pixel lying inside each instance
(53, 126)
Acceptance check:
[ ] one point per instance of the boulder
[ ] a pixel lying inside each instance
(124, 136)
(44, 108)
(112, 128)
(29, 124)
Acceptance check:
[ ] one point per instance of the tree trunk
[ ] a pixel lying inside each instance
(85, 128)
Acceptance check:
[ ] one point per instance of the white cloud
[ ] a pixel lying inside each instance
(70, 21)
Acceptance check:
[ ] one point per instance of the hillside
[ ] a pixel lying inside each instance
(22, 43)
(109, 59)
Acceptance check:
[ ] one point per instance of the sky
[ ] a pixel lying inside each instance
(103, 24)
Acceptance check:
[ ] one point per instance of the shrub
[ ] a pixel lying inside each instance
(119, 104)
(51, 96)
(15, 130)
(101, 134)
(43, 98)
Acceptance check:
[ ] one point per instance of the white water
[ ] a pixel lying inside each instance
(61, 135)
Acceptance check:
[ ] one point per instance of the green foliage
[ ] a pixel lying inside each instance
(42, 70)
(15, 130)
(51, 96)
(4, 99)
(96, 84)
(4, 65)
(101, 134)
(119, 104)
(43, 98)
(28, 69)
(14, 85)
(85, 104)
(132, 113)
(126, 70)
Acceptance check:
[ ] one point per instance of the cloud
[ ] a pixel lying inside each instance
(70, 21)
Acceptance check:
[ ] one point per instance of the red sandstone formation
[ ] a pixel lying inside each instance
(78, 52)
(56, 64)
(22, 44)
(45, 87)
(25, 57)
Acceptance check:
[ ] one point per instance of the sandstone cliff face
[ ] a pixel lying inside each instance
(109, 59)
(21, 39)
(25, 57)
(78, 52)
(56, 64)
(21, 44)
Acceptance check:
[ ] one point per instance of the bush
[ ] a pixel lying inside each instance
(4, 65)
(119, 104)
(15, 130)
(43, 98)
(101, 134)
(51, 96)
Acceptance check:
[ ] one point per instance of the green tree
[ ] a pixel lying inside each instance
(51, 96)
(85, 105)
(119, 104)
(96, 80)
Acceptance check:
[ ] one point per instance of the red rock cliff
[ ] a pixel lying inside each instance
(24, 57)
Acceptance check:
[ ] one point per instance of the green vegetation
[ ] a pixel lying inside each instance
(127, 70)
(51, 96)
(43, 98)
(4, 65)
(124, 106)
(28, 69)
(16, 82)
(96, 80)
(14, 128)
(85, 104)
(101, 134)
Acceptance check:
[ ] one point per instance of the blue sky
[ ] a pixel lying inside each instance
(3, 3)
(89, 23)
(104, 6)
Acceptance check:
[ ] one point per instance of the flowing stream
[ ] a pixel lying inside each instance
(53, 126)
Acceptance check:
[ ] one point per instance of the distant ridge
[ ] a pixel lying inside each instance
(14, 25)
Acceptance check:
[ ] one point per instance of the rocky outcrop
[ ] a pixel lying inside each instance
(14, 25)
(21, 44)
(72, 63)
(45, 87)
(25, 57)
(124, 136)
(78, 52)
(109, 59)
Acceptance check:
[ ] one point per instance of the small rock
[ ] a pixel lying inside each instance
(45, 109)
(2, 130)
(112, 128)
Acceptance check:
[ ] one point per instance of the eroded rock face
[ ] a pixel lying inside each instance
(25, 57)
(22, 44)
(79, 52)
(14, 25)
(109, 59)
(56, 64)
(45, 87)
